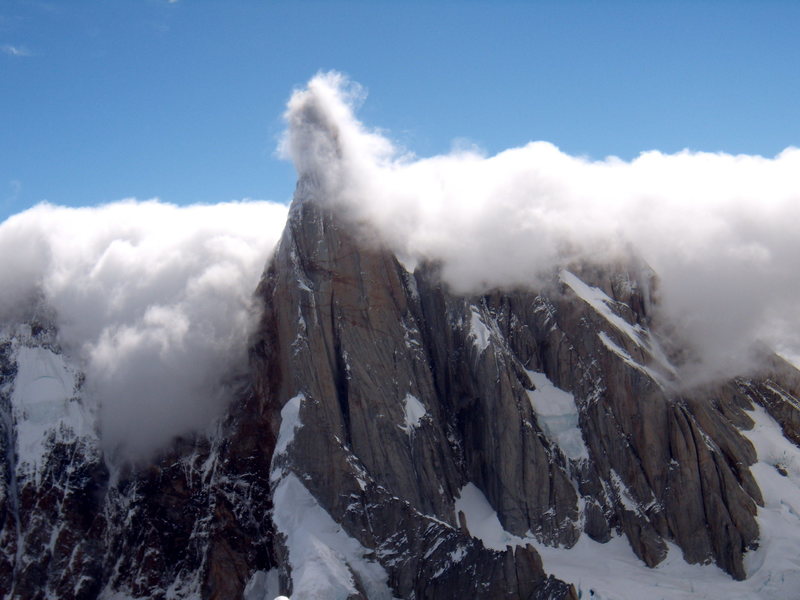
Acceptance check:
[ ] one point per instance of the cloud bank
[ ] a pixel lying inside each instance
(153, 299)
(719, 230)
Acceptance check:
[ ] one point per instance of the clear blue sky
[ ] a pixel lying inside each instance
(182, 100)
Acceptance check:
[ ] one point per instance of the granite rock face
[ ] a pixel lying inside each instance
(390, 432)
(406, 392)
(375, 402)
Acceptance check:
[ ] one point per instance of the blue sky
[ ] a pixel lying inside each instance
(183, 100)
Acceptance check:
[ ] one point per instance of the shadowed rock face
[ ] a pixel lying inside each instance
(375, 395)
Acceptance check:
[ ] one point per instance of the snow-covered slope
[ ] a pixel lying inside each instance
(52, 461)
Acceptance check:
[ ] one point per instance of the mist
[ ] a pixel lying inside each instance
(718, 229)
(152, 300)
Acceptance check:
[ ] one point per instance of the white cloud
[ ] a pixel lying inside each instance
(153, 298)
(720, 230)
(15, 50)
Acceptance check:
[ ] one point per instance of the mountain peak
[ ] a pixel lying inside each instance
(397, 439)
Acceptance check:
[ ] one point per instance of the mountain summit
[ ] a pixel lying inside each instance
(395, 439)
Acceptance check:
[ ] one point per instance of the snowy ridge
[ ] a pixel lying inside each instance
(628, 359)
(602, 305)
(322, 557)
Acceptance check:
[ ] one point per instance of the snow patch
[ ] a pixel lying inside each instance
(414, 413)
(290, 422)
(482, 521)
(601, 303)
(611, 571)
(44, 406)
(557, 413)
(628, 359)
(323, 558)
(624, 495)
(478, 331)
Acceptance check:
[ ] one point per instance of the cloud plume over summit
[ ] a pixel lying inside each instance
(719, 229)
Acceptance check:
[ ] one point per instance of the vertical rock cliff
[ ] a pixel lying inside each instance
(383, 436)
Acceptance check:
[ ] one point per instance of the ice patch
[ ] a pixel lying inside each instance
(557, 414)
(323, 558)
(414, 413)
